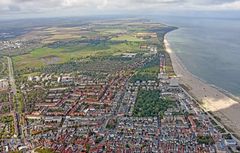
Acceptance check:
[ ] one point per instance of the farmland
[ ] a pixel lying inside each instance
(63, 45)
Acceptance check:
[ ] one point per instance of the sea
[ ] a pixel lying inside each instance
(209, 48)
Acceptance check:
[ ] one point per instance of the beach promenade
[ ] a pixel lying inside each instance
(212, 99)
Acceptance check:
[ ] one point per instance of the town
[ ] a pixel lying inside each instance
(133, 105)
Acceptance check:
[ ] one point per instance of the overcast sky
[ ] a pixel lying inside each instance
(31, 8)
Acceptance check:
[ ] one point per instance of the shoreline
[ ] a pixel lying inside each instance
(221, 103)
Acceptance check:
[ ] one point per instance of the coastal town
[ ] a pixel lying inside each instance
(111, 107)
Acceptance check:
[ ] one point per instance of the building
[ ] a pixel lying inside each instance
(3, 84)
(129, 55)
(173, 82)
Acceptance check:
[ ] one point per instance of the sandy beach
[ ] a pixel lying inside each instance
(212, 99)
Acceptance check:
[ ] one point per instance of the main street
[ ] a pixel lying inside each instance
(13, 93)
(11, 76)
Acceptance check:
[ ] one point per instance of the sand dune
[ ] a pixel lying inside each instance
(222, 106)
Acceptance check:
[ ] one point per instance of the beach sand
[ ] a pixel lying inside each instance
(212, 99)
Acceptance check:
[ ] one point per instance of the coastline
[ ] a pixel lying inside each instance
(221, 103)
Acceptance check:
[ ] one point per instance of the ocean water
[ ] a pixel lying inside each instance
(209, 48)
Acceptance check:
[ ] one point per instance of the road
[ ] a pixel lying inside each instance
(11, 76)
(13, 86)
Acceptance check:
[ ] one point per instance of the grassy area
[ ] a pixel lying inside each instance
(44, 150)
(20, 104)
(31, 74)
(4, 97)
(111, 31)
(16, 152)
(207, 140)
(148, 72)
(169, 67)
(3, 67)
(149, 104)
(45, 56)
(8, 129)
(127, 38)
(1, 64)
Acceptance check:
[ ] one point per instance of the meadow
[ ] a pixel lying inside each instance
(45, 56)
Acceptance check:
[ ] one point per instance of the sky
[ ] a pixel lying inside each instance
(51, 8)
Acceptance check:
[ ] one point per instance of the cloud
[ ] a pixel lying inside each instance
(90, 6)
(213, 5)
(216, 2)
(233, 5)
(157, 1)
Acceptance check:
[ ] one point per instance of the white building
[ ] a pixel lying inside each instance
(3, 84)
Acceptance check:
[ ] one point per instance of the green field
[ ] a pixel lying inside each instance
(45, 56)
(127, 38)
(148, 72)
